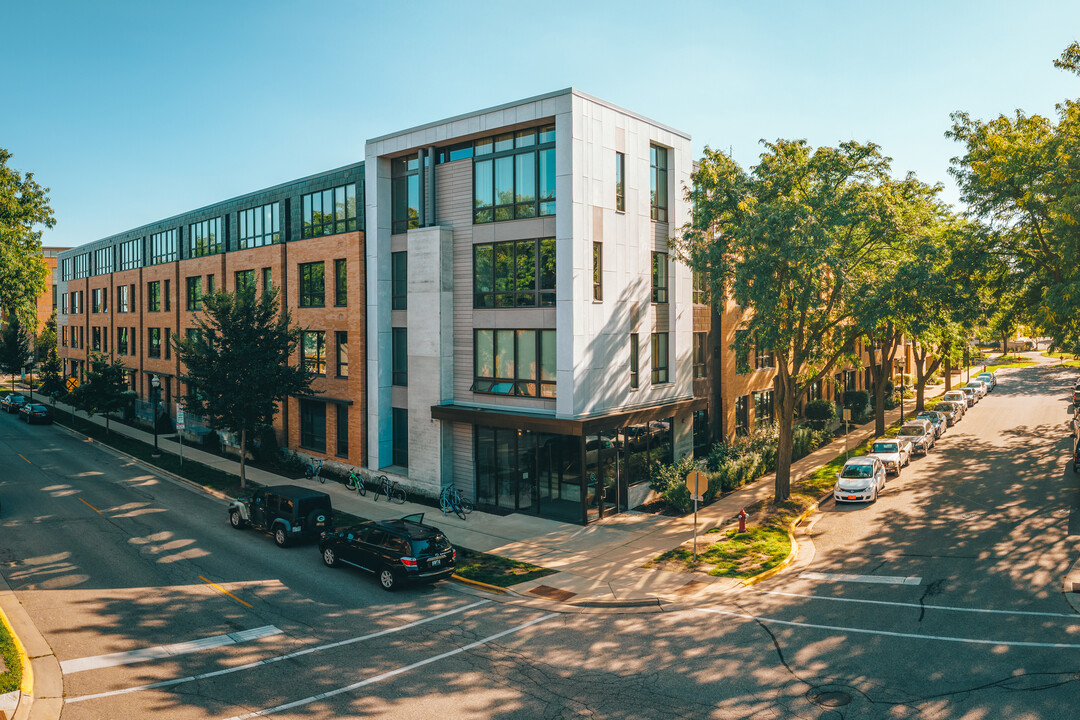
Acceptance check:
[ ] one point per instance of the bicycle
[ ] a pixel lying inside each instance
(314, 470)
(451, 499)
(390, 489)
(356, 482)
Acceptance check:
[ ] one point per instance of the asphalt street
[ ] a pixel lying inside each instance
(941, 600)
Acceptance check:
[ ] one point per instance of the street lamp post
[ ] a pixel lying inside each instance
(155, 391)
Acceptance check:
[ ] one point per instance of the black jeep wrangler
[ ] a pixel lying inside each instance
(286, 511)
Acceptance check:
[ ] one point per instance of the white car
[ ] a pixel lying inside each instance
(920, 433)
(971, 394)
(981, 388)
(957, 396)
(989, 378)
(862, 478)
(892, 452)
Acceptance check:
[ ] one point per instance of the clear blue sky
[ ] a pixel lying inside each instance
(135, 111)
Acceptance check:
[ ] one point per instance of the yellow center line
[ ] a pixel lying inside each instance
(90, 506)
(218, 587)
(27, 461)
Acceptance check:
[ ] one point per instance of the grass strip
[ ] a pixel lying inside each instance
(730, 553)
(497, 570)
(11, 677)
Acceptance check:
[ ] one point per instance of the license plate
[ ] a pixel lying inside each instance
(850, 497)
(319, 524)
(436, 562)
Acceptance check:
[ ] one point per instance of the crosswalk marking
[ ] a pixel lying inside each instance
(163, 651)
(875, 579)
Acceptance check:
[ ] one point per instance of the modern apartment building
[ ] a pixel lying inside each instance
(488, 300)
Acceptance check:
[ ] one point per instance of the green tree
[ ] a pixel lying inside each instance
(52, 378)
(24, 207)
(237, 364)
(14, 349)
(790, 242)
(104, 390)
(46, 339)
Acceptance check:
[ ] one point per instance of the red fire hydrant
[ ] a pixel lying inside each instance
(742, 521)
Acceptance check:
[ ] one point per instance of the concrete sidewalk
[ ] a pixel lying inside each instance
(599, 563)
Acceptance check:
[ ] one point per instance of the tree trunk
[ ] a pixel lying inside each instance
(243, 457)
(947, 372)
(783, 449)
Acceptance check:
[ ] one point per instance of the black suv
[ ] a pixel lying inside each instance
(287, 511)
(397, 551)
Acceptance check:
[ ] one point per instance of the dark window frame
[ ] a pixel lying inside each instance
(341, 430)
(164, 247)
(487, 292)
(332, 223)
(701, 347)
(658, 183)
(537, 142)
(620, 182)
(205, 238)
(543, 385)
(252, 226)
(341, 282)
(661, 277)
(309, 295)
(310, 411)
(153, 342)
(764, 406)
(341, 359)
(742, 415)
(399, 436)
(399, 357)
(661, 350)
(194, 293)
(399, 273)
(598, 271)
(315, 363)
(635, 359)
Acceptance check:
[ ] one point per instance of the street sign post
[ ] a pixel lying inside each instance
(697, 483)
(847, 429)
(180, 429)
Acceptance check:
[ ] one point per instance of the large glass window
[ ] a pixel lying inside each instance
(82, 266)
(164, 247)
(763, 407)
(659, 277)
(620, 181)
(99, 300)
(123, 298)
(131, 254)
(103, 260)
(245, 279)
(205, 238)
(598, 271)
(659, 358)
(515, 362)
(399, 268)
(400, 356)
(742, 415)
(153, 342)
(519, 273)
(763, 358)
(400, 436)
(330, 211)
(194, 293)
(313, 351)
(514, 175)
(701, 296)
(341, 413)
(405, 193)
(341, 343)
(121, 341)
(312, 285)
(259, 226)
(313, 425)
(634, 378)
(700, 342)
(701, 433)
(658, 184)
(341, 283)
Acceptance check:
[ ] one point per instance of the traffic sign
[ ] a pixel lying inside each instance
(697, 483)
(72, 383)
(179, 416)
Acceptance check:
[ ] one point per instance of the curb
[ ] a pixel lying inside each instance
(27, 687)
(794, 552)
(481, 585)
(639, 602)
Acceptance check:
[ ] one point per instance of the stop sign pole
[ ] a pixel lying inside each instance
(696, 483)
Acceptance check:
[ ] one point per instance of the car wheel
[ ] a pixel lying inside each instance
(329, 557)
(235, 520)
(388, 579)
(280, 537)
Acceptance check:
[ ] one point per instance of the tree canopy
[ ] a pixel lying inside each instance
(237, 364)
(24, 209)
(104, 389)
(14, 349)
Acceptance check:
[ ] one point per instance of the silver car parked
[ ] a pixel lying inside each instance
(862, 479)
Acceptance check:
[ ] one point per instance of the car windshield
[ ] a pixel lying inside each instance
(885, 447)
(857, 471)
(928, 416)
(430, 545)
(38, 408)
(911, 430)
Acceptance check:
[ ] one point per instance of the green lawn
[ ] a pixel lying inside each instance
(496, 570)
(12, 678)
(730, 553)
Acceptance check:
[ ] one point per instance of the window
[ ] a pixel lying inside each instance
(103, 261)
(330, 211)
(245, 279)
(399, 264)
(153, 342)
(400, 440)
(507, 361)
(63, 303)
(341, 283)
(99, 300)
(701, 296)
(131, 254)
(658, 182)
(620, 182)
(313, 351)
(194, 293)
(95, 338)
(63, 336)
(131, 341)
(123, 298)
(634, 380)
(763, 407)
(259, 226)
(519, 273)
(742, 415)
(205, 238)
(700, 340)
(66, 269)
(167, 295)
(701, 433)
(153, 296)
(400, 356)
(311, 285)
(166, 340)
(164, 247)
(267, 279)
(514, 175)
(209, 284)
(313, 425)
(597, 271)
(341, 344)
(341, 414)
(742, 352)
(405, 193)
(659, 277)
(815, 390)
(121, 341)
(763, 358)
(659, 358)
(82, 266)
(76, 302)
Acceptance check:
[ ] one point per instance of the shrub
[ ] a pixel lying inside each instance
(856, 399)
(821, 410)
(668, 476)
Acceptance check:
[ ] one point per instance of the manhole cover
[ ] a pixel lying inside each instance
(830, 698)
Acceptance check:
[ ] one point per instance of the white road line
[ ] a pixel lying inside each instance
(163, 651)
(951, 608)
(278, 658)
(390, 673)
(876, 579)
(888, 633)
